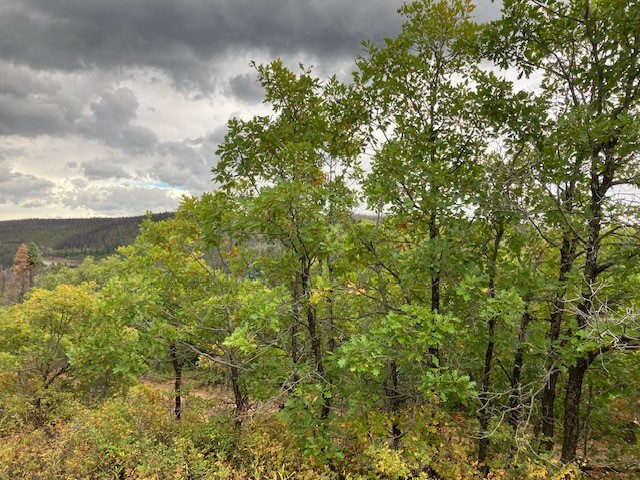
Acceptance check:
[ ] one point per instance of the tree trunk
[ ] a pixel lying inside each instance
(435, 277)
(483, 414)
(572, 410)
(548, 408)
(567, 258)
(394, 398)
(393, 394)
(332, 343)
(599, 188)
(515, 406)
(295, 309)
(177, 385)
(435, 282)
(314, 334)
(240, 398)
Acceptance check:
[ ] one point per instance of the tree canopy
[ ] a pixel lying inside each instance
(480, 319)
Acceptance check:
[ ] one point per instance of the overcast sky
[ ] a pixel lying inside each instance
(115, 107)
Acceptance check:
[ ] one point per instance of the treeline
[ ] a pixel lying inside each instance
(106, 236)
(61, 237)
(482, 324)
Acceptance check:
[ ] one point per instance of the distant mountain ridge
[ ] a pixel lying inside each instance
(70, 237)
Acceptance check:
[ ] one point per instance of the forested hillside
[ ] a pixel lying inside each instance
(72, 236)
(483, 323)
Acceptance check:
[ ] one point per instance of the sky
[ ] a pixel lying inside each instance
(116, 107)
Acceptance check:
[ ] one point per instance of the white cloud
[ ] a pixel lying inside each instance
(116, 200)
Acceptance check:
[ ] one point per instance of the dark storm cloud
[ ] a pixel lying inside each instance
(190, 40)
(21, 83)
(33, 104)
(53, 111)
(185, 38)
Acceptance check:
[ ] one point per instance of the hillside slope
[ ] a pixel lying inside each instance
(70, 237)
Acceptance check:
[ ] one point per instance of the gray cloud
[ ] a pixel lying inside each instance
(21, 82)
(487, 10)
(30, 118)
(36, 103)
(101, 169)
(79, 79)
(187, 164)
(5, 169)
(185, 39)
(22, 189)
(215, 136)
(116, 107)
(111, 120)
(79, 182)
(245, 87)
(122, 199)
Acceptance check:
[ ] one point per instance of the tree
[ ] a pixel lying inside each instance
(21, 259)
(587, 53)
(22, 268)
(26, 263)
(161, 268)
(417, 86)
(188, 312)
(289, 175)
(41, 332)
(428, 148)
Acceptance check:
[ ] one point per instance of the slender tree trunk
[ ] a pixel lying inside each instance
(586, 429)
(573, 395)
(314, 334)
(295, 309)
(177, 374)
(239, 396)
(548, 407)
(394, 397)
(435, 277)
(434, 352)
(332, 343)
(515, 406)
(484, 414)
(391, 385)
(316, 345)
(567, 258)
(47, 379)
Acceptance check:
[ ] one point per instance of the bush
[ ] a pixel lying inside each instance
(135, 436)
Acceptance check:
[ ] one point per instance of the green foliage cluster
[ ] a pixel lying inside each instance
(483, 323)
